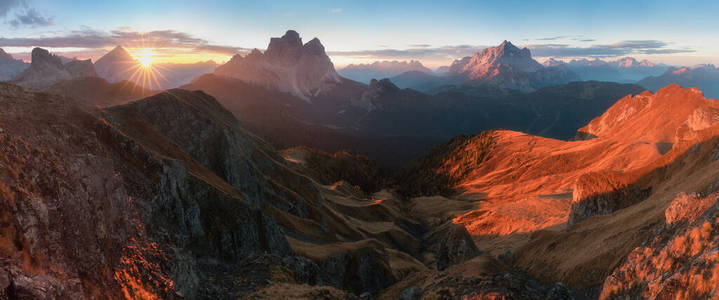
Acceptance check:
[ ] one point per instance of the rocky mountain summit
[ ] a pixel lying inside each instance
(303, 70)
(116, 65)
(47, 69)
(509, 67)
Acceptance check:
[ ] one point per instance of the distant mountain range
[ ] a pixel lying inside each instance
(626, 69)
(355, 113)
(119, 65)
(381, 69)
(704, 77)
(504, 67)
(47, 69)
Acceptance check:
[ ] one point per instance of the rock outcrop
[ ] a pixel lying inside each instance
(680, 260)
(303, 70)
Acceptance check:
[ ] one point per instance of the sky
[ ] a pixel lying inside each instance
(434, 32)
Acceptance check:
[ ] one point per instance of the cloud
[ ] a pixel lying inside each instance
(7, 5)
(558, 50)
(336, 11)
(30, 17)
(417, 52)
(623, 48)
(229, 50)
(554, 38)
(124, 36)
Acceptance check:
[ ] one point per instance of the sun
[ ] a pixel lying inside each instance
(145, 58)
(146, 73)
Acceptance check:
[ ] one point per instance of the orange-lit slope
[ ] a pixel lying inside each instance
(527, 182)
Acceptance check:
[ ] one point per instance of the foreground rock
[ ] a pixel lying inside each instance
(679, 262)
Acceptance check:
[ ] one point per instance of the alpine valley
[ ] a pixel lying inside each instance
(274, 175)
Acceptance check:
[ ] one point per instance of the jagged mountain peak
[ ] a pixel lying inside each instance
(118, 52)
(551, 62)
(286, 47)
(315, 47)
(116, 65)
(382, 85)
(41, 56)
(303, 70)
(508, 67)
(47, 69)
(627, 62)
(484, 63)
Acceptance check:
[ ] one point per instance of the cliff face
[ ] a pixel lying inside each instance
(83, 194)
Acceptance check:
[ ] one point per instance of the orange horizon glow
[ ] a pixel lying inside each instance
(175, 55)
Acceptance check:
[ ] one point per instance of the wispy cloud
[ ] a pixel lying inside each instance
(553, 38)
(336, 10)
(25, 15)
(416, 52)
(631, 47)
(123, 36)
(30, 17)
(7, 5)
(445, 54)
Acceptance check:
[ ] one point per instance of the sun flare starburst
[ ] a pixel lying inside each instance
(145, 73)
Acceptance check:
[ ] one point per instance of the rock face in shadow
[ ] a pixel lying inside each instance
(601, 193)
(109, 192)
(9, 66)
(169, 197)
(330, 168)
(454, 245)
